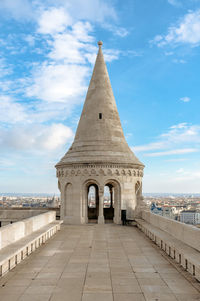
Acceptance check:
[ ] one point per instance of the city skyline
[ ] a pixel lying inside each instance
(47, 52)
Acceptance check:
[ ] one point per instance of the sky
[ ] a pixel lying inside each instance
(47, 53)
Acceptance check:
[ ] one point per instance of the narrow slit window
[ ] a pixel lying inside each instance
(100, 115)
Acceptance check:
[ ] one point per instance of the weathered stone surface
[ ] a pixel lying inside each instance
(97, 262)
(173, 238)
(13, 232)
(99, 156)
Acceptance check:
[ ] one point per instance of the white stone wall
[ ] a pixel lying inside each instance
(73, 183)
(188, 234)
(13, 232)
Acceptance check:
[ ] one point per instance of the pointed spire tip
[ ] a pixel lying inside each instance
(100, 43)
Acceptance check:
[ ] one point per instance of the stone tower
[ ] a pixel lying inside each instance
(99, 175)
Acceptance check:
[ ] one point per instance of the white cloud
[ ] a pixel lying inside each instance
(58, 82)
(11, 111)
(92, 10)
(169, 53)
(185, 99)
(30, 39)
(183, 133)
(186, 31)
(173, 152)
(176, 181)
(18, 9)
(72, 45)
(53, 20)
(187, 175)
(179, 61)
(5, 69)
(116, 30)
(174, 2)
(179, 139)
(36, 138)
(63, 76)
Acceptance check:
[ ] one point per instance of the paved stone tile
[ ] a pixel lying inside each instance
(95, 275)
(97, 284)
(41, 290)
(160, 297)
(171, 276)
(96, 263)
(144, 270)
(35, 297)
(156, 289)
(48, 275)
(73, 275)
(141, 275)
(44, 282)
(6, 290)
(75, 267)
(18, 281)
(152, 281)
(129, 297)
(22, 275)
(73, 296)
(70, 283)
(122, 274)
(126, 288)
(14, 297)
(97, 297)
(187, 297)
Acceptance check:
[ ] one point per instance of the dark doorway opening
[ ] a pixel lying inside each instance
(93, 202)
(108, 205)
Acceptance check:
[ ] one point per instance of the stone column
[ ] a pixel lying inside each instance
(101, 199)
(141, 205)
(62, 197)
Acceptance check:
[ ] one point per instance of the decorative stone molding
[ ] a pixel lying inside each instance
(99, 170)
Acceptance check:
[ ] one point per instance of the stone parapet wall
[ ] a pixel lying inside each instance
(18, 214)
(188, 234)
(14, 232)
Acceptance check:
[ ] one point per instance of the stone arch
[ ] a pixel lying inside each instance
(59, 185)
(138, 191)
(115, 185)
(85, 190)
(137, 187)
(68, 208)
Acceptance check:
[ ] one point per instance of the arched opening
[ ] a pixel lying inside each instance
(109, 202)
(68, 199)
(93, 202)
(138, 189)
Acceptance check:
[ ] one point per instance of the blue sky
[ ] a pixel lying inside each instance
(47, 52)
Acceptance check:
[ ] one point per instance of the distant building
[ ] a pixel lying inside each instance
(190, 217)
(169, 211)
(165, 211)
(156, 210)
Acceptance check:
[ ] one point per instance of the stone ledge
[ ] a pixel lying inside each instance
(13, 254)
(188, 234)
(13, 232)
(185, 255)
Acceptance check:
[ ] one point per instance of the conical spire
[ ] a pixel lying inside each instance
(99, 137)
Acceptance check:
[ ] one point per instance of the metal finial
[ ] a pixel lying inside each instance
(100, 43)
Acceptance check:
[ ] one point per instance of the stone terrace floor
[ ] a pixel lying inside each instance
(97, 263)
